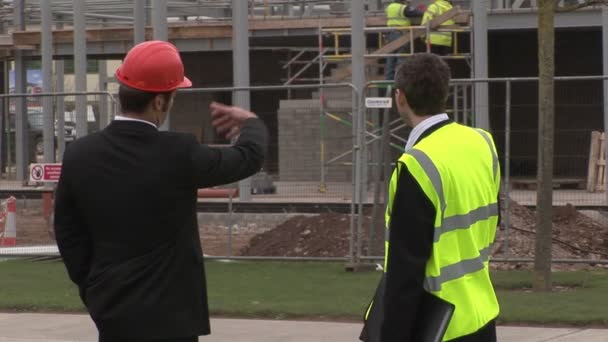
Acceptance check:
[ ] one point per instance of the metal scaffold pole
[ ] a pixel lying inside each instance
(80, 67)
(139, 23)
(240, 60)
(480, 63)
(48, 117)
(21, 132)
(358, 75)
(605, 69)
(159, 25)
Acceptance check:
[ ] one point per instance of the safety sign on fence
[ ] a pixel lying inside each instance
(45, 172)
(379, 102)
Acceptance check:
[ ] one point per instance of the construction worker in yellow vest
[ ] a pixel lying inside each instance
(442, 214)
(398, 14)
(441, 42)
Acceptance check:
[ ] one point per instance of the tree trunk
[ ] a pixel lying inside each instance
(546, 113)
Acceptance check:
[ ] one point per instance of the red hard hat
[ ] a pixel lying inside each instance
(153, 66)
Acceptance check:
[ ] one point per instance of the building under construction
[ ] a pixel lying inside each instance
(317, 60)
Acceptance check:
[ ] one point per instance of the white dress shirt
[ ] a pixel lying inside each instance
(422, 127)
(125, 118)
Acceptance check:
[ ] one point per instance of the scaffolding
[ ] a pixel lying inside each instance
(336, 54)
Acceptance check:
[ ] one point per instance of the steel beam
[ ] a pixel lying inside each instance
(60, 105)
(80, 67)
(605, 69)
(159, 25)
(22, 157)
(3, 118)
(139, 24)
(358, 42)
(159, 20)
(240, 60)
(103, 100)
(480, 63)
(48, 117)
(97, 16)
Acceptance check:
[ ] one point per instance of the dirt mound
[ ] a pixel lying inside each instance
(575, 235)
(325, 235)
(586, 236)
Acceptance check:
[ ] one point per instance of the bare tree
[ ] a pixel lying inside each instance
(546, 129)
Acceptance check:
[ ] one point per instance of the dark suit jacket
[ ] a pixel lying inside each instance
(126, 224)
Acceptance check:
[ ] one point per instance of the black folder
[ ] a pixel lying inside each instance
(434, 315)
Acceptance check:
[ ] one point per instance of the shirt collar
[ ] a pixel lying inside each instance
(125, 118)
(422, 127)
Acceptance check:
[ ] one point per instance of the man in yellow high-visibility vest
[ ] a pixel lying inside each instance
(398, 14)
(441, 218)
(441, 42)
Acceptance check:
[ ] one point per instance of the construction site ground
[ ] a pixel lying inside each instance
(577, 234)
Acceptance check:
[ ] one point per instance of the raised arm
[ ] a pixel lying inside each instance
(222, 165)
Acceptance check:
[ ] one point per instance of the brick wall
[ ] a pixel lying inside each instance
(300, 146)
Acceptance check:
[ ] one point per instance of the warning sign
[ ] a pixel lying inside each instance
(379, 102)
(45, 172)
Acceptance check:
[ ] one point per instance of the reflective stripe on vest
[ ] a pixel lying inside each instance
(395, 17)
(458, 270)
(462, 221)
(435, 10)
(484, 134)
(462, 181)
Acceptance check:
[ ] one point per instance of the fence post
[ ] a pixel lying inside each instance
(356, 182)
(230, 225)
(605, 71)
(2, 137)
(507, 183)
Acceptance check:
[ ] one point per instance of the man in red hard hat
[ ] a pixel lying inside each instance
(125, 207)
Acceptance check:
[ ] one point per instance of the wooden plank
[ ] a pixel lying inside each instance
(24, 47)
(345, 72)
(6, 40)
(464, 18)
(195, 30)
(187, 31)
(125, 34)
(67, 36)
(593, 158)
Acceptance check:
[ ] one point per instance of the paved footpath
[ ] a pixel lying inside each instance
(78, 328)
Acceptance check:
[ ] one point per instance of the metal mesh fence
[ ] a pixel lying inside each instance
(29, 142)
(302, 202)
(23, 140)
(306, 186)
(308, 171)
(311, 139)
(579, 197)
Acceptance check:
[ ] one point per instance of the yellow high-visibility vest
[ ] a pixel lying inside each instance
(435, 10)
(457, 169)
(395, 17)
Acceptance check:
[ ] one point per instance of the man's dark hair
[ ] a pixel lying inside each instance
(424, 79)
(136, 101)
